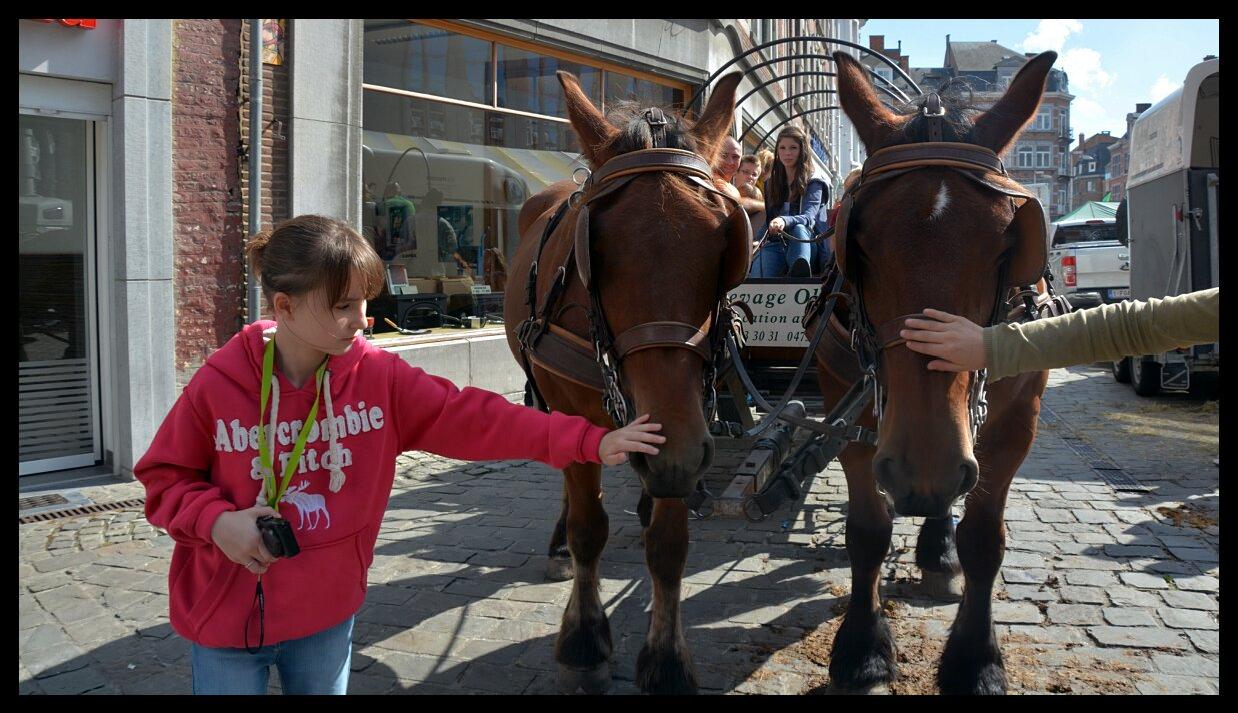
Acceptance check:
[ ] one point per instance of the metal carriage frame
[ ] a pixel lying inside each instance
(777, 472)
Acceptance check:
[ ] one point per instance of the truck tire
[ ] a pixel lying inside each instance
(1122, 370)
(1145, 376)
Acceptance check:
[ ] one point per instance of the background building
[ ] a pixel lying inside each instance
(1039, 157)
(1090, 160)
(1119, 158)
(134, 185)
(133, 164)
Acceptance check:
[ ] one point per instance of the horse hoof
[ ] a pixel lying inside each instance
(559, 569)
(592, 681)
(941, 585)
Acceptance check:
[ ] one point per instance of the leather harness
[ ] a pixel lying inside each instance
(594, 362)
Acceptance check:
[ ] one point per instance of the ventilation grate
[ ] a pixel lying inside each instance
(41, 501)
(79, 511)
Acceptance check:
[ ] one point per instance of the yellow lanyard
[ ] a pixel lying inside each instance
(264, 453)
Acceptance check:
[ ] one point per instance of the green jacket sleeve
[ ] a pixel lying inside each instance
(1104, 333)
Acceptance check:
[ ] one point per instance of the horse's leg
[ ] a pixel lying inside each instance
(584, 647)
(972, 660)
(862, 658)
(938, 559)
(644, 512)
(664, 664)
(558, 557)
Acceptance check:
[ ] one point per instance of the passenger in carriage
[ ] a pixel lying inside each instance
(751, 197)
(727, 162)
(766, 157)
(793, 197)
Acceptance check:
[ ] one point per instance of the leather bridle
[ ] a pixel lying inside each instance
(982, 166)
(596, 363)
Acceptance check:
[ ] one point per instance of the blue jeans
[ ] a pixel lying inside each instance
(316, 664)
(776, 257)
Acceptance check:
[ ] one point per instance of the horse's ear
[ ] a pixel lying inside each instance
(873, 121)
(595, 133)
(718, 118)
(997, 127)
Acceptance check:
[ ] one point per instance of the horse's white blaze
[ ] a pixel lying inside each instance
(940, 202)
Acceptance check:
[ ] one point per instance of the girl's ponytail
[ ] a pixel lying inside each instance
(255, 247)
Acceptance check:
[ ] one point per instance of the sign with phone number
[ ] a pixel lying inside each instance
(777, 309)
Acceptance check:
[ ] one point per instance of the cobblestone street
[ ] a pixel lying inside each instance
(1101, 591)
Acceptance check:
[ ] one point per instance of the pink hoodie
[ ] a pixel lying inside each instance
(204, 461)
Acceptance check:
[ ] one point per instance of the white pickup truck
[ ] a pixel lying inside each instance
(1089, 265)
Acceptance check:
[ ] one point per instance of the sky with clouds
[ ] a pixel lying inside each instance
(1111, 64)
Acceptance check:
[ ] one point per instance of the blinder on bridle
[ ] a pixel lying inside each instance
(566, 354)
(979, 164)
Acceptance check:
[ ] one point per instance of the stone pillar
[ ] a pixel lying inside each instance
(144, 335)
(325, 150)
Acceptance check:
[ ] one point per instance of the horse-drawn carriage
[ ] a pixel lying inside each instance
(623, 299)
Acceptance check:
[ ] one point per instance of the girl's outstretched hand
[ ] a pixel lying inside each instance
(957, 342)
(634, 437)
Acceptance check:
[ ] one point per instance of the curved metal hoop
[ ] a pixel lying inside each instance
(808, 38)
(787, 120)
(777, 104)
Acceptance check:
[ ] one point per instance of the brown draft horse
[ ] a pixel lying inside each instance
(661, 247)
(931, 238)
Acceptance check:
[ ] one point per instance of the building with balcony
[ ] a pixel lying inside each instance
(1039, 156)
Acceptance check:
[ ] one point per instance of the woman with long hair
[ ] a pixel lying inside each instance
(793, 196)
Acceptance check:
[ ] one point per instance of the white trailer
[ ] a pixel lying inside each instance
(1172, 214)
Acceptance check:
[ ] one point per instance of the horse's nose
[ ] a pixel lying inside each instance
(914, 492)
(673, 474)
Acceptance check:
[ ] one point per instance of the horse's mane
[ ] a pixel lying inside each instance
(634, 135)
(956, 125)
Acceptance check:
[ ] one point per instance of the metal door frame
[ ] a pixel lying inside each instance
(97, 131)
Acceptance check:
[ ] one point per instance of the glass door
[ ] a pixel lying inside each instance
(58, 406)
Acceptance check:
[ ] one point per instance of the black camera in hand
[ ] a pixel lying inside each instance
(277, 536)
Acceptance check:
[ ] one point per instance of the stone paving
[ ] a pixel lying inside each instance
(1101, 592)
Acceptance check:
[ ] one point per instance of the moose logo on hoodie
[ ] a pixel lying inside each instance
(235, 437)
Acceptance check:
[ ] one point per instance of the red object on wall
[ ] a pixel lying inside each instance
(84, 24)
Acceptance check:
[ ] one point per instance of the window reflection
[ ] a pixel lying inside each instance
(424, 59)
(443, 184)
(527, 81)
(620, 87)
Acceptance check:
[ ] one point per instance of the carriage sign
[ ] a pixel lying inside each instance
(777, 308)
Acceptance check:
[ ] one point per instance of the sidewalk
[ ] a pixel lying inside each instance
(1103, 591)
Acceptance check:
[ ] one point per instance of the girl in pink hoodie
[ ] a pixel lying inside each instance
(304, 415)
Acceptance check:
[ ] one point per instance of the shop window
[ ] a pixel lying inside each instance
(527, 81)
(417, 58)
(620, 87)
(443, 183)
